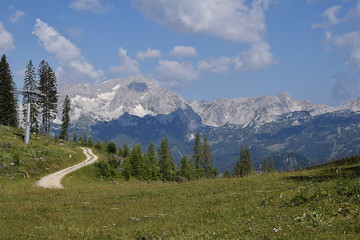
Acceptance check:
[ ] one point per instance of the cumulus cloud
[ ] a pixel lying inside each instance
(174, 74)
(349, 41)
(128, 66)
(149, 53)
(345, 87)
(257, 57)
(17, 16)
(72, 65)
(94, 6)
(6, 40)
(234, 20)
(183, 51)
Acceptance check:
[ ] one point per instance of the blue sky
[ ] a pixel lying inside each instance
(203, 49)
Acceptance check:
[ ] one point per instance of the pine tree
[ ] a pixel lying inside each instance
(264, 166)
(111, 147)
(186, 169)
(271, 167)
(136, 162)
(8, 101)
(166, 162)
(243, 166)
(31, 84)
(152, 160)
(48, 103)
(197, 156)
(65, 119)
(125, 151)
(209, 170)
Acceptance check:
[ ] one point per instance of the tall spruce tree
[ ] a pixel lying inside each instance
(48, 103)
(186, 169)
(197, 158)
(152, 160)
(66, 119)
(243, 166)
(8, 101)
(209, 170)
(31, 84)
(166, 162)
(136, 162)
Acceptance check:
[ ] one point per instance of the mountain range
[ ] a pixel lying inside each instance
(292, 133)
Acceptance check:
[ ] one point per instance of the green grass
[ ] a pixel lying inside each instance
(319, 203)
(42, 156)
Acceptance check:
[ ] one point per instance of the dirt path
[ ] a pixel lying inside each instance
(54, 180)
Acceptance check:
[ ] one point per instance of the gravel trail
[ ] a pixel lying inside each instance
(54, 180)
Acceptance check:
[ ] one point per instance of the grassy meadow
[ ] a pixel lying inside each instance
(318, 203)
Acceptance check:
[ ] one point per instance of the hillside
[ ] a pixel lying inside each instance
(42, 156)
(317, 203)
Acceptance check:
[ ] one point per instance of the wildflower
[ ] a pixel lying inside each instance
(69, 155)
(276, 229)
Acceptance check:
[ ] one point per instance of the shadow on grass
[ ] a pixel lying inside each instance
(329, 174)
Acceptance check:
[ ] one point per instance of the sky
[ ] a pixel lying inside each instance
(203, 49)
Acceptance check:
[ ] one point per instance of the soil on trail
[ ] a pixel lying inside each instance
(54, 180)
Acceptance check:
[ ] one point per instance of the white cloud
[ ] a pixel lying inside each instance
(149, 53)
(128, 66)
(235, 20)
(183, 51)
(174, 74)
(331, 18)
(72, 65)
(95, 6)
(6, 40)
(351, 42)
(257, 57)
(220, 65)
(17, 16)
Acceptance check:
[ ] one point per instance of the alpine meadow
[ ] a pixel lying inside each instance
(180, 119)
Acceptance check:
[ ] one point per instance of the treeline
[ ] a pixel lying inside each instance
(39, 89)
(156, 163)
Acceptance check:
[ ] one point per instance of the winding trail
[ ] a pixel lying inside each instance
(54, 180)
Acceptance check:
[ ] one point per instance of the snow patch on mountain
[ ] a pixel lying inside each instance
(109, 100)
(249, 111)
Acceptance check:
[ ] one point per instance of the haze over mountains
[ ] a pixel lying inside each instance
(137, 109)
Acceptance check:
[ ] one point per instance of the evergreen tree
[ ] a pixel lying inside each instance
(186, 169)
(48, 103)
(226, 174)
(136, 162)
(111, 147)
(125, 151)
(30, 83)
(152, 160)
(166, 162)
(65, 119)
(264, 166)
(90, 142)
(127, 169)
(8, 101)
(243, 166)
(209, 170)
(271, 167)
(197, 156)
